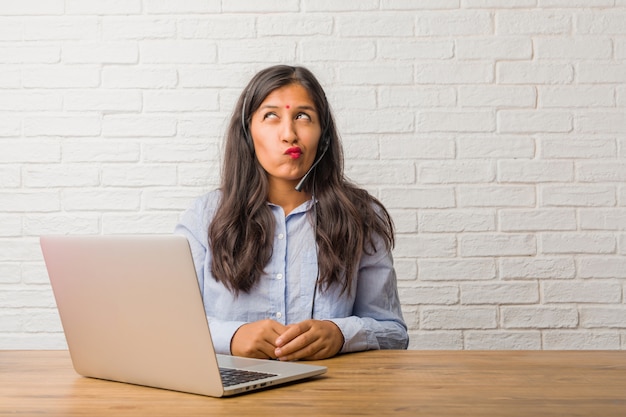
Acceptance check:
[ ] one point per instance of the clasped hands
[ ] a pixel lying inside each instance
(269, 339)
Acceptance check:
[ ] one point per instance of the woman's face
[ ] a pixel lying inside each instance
(286, 131)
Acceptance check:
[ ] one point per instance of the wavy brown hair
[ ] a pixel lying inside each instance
(346, 217)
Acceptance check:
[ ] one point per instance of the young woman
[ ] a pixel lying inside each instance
(294, 261)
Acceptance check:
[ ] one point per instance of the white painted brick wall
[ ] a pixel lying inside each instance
(494, 131)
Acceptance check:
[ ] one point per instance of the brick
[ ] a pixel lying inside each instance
(376, 25)
(306, 25)
(454, 73)
(33, 7)
(62, 125)
(29, 151)
(613, 122)
(57, 28)
(408, 147)
(512, 220)
(497, 195)
(585, 48)
(606, 22)
(352, 98)
(533, 121)
(435, 340)
(535, 171)
(205, 175)
(577, 243)
(378, 121)
(10, 77)
(601, 171)
(497, 96)
(534, 73)
(542, 317)
(218, 27)
(378, 173)
(454, 23)
(17, 250)
(500, 146)
(20, 100)
(425, 246)
(577, 196)
(602, 267)
(490, 244)
(456, 121)
(457, 221)
(123, 125)
(405, 221)
(499, 293)
(115, 28)
(502, 340)
(10, 226)
(177, 52)
(532, 23)
(575, 3)
(181, 151)
(406, 269)
(537, 268)
(168, 199)
(603, 317)
(380, 75)
(10, 176)
(501, 4)
(101, 53)
(405, 96)
(101, 199)
(500, 48)
(456, 269)
(10, 126)
(576, 340)
(612, 72)
(455, 172)
(418, 197)
(100, 151)
(102, 100)
(596, 291)
(456, 318)
(251, 6)
(114, 223)
(603, 219)
(576, 96)
(430, 295)
(567, 148)
(60, 175)
(257, 50)
(138, 77)
(335, 6)
(59, 223)
(209, 76)
(87, 7)
(138, 175)
(181, 6)
(43, 320)
(409, 49)
(30, 54)
(61, 76)
(336, 50)
(177, 100)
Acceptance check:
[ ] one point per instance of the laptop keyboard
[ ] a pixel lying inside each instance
(239, 376)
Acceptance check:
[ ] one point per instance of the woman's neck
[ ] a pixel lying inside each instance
(286, 196)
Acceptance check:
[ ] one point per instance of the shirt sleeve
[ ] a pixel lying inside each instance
(194, 224)
(377, 321)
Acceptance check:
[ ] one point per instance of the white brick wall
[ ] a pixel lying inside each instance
(494, 131)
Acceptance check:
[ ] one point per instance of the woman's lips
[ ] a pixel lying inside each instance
(294, 152)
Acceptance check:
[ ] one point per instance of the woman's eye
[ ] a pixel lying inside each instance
(303, 116)
(270, 115)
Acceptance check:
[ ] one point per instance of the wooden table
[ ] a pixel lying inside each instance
(376, 383)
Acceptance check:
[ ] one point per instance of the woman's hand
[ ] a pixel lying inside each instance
(257, 339)
(310, 340)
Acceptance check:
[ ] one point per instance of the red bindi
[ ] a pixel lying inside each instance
(287, 106)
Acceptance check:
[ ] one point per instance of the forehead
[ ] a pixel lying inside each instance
(289, 95)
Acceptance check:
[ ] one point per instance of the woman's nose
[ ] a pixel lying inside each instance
(288, 132)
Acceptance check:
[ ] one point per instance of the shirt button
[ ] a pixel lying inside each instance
(279, 315)
(279, 276)
(281, 236)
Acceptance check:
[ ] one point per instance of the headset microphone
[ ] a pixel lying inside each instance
(324, 148)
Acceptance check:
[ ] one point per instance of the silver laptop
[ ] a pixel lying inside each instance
(132, 312)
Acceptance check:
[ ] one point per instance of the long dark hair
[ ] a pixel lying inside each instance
(241, 233)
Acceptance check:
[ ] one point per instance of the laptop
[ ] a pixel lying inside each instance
(132, 312)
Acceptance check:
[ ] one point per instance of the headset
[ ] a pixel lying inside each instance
(323, 146)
